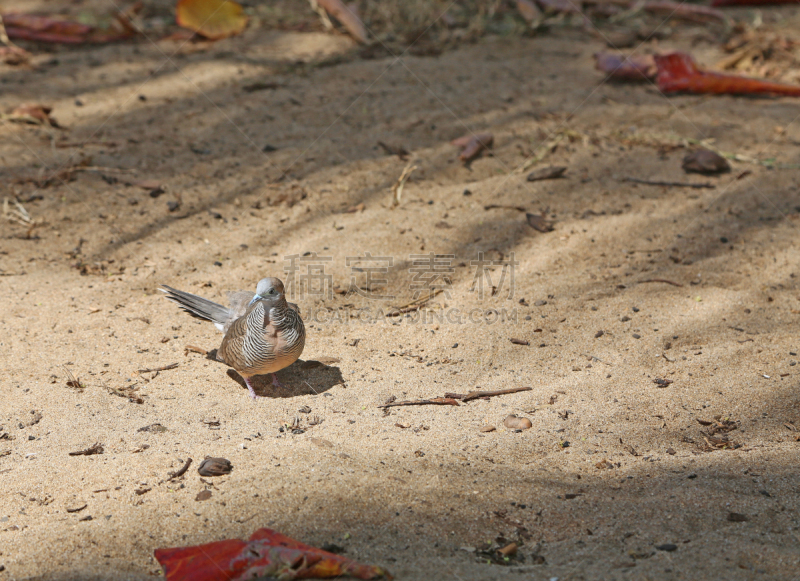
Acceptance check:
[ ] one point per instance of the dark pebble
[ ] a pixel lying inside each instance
(637, 336)
(625, 319)
(455, 345)
(692, 476)
(667, 547)
(737, 517)
(723, 240)
(599, 334)
(635, 309)
(467, 193)
(269, 148)
(217, 263)
(331, 548)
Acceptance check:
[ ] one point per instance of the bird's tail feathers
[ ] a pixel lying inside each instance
(198, 306)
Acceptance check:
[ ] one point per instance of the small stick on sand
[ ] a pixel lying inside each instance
(669, 184)
(193, 349)
(181, 472)
(664, 280)
(485, 394)
(434, 401)
(414, 305)
(157, 369)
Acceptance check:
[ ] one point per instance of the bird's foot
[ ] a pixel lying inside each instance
(277, 383)
(250, 389)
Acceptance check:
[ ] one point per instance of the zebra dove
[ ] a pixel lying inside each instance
(263, 332)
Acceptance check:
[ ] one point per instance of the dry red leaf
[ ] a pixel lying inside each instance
(213, 19)
(348, 18)
(268, 553)
(472, 145)
(47, 29)
(621, 68)
(677, 72)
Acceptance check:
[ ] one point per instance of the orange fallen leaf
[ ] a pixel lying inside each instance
(213, 19)
(268, 554)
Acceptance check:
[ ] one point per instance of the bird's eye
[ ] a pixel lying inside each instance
(272, 291)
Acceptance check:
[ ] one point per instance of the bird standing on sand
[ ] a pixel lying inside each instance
(263, 332)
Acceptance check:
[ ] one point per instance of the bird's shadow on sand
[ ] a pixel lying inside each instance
(312, 377)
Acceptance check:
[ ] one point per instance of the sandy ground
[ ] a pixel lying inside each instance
(614, 465)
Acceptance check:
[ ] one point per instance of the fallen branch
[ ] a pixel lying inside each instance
(669, 184)
(485, 394)
(434, 401)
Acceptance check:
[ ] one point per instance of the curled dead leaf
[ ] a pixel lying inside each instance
(347, 17)
(472, 145)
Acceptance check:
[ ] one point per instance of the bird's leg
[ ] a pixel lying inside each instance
(250, 387)
(277, 383)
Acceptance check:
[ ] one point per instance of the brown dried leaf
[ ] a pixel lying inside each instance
(539, 222)
(472, 145)
(214, 467)
(705, 161)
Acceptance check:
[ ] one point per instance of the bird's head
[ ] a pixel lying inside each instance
(269, 290)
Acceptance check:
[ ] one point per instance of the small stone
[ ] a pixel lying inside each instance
(599, 334)
(540, 303)
(670, 451)
(737, 517)
(203, 495)
(669, 547)
(488, 429)
(637, 336)
(516, 423)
